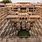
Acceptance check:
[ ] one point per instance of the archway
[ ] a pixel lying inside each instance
(23, 33)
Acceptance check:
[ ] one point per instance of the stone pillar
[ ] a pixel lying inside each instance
(28, 25)
(23, 24)
(18, 25)
(27, 9)
(18, 9)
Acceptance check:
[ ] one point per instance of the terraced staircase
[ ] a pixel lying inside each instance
(6, 29)
(3, 20)
(37, 28)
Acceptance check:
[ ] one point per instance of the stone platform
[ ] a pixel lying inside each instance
(39, 39)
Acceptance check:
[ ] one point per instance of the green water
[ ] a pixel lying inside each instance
(23, 33)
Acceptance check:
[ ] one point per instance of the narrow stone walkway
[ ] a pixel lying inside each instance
(21, 39)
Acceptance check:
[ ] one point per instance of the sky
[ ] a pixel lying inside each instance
(33, 1)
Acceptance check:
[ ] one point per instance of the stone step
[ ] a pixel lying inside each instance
(4, 27)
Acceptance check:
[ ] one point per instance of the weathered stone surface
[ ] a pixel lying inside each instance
(13, 18)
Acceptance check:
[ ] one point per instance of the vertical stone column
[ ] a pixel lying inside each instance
(18, 25)
(27, 9)
(33, 10)
(23, 24)
(27, 25)
(14, 26)
(18, 9)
